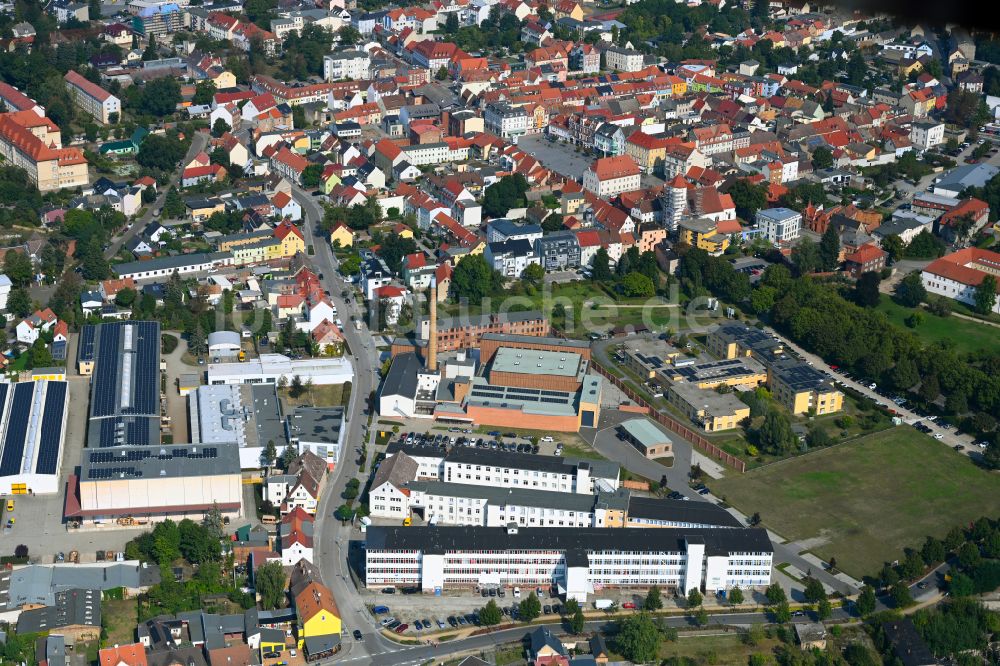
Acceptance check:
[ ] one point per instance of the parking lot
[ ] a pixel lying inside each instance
(565, 160)
(495, 440)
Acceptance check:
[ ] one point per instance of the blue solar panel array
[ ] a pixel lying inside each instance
(85, 351)
(50, 436)
(17, 427)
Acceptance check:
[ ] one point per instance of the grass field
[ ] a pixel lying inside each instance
(121, 617)
(865, 501)
(719, 649)
(967, 336)
(326, 395)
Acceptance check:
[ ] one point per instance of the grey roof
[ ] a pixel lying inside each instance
(39, 583)
(402, 376)
(397, 471)
(189, 656)
(72, 607)
(316, 424)
(459, 538)
(321, 644)
(510, 228)
(268, 422)
(557, 464)
(680, 511)
(565, 343)
(517, 246)
(542, 637)
(970, 175)
(514, 496)
(801, 377)
(901, 223)
(55, 650)
(644, 432)
(169, 460)
(170, 263)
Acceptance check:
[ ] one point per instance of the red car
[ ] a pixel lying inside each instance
(628, 604)
(401, 628)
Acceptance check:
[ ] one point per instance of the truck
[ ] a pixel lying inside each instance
(603, 604)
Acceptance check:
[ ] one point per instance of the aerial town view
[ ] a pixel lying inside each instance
(504, 332)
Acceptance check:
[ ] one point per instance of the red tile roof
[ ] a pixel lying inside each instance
(87, 86)
(606, 168)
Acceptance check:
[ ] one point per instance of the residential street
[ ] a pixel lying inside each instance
(198, 143)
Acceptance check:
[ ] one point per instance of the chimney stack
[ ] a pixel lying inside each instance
(432, 343)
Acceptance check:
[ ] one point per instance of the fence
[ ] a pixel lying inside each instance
(670, 424)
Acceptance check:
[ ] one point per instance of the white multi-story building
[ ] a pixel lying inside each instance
(926, 135)
(609, 176)
(352, 65)
(779, 225)
(506, 121)
(502, 469)
(438, 502)
(622, 60)
(510, 257)
(957, 275)
(578, 561)
(92, 98)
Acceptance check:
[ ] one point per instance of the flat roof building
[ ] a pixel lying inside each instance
(155, 482)
(802, 388)
(646, 437)
(32, 433)
(710, 374)
(578, 561)
(270, 368)
(710, 410)
(247, 415)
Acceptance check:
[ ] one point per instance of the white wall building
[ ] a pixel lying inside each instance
(506, 121)
(609, 176)
(270, 368)
(779, 225)
(578, 561)
(32, 430)
(353, 65)
(926, 135)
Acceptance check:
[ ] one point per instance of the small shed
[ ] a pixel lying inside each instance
(646, 437)
(811, 635)
(223, 343)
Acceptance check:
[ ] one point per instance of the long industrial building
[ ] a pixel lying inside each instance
(504, 469)
(440, 503)
(578, 561)
(154, 482)
(123, 359)
(32, 431)
(270, 368)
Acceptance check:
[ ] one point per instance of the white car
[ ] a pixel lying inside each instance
(938, 435)
(548, 439)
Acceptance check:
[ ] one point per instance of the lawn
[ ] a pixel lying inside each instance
(967, 336)
(121, 617)
(326, 395)
(863, 502)
(715, 649)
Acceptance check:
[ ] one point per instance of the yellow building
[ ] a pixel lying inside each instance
(291, 239)
(732, 340)
(343, 236)
(224, 79)
(202, 209)
(231, 242)
(713, 412)
(803, 389)
(318, 619)
(703, 234)
(712, 374)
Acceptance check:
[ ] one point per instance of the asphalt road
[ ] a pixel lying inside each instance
(331, 536)
(198, 143)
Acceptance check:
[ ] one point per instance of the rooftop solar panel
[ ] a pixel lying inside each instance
(51, 433)
(17, 427)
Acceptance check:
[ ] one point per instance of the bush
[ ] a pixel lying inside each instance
(168, 343)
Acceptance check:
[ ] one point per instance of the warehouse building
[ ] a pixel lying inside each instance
(124, 359)
(465, 332)
(248, 415)
(271, 368)
(577, 561)
(155, 482)
(32, 432)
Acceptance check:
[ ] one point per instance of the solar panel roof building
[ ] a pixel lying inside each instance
(124, 358)
(32, 430)
(174, 480)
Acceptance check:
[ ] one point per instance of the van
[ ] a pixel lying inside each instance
(603, 604)
(517, 593)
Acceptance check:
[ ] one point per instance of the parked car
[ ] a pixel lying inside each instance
(629, 604)
(401, 628)
(380, 610)
(357, 635)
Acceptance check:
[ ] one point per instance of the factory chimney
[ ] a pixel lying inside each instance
(432, 343)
